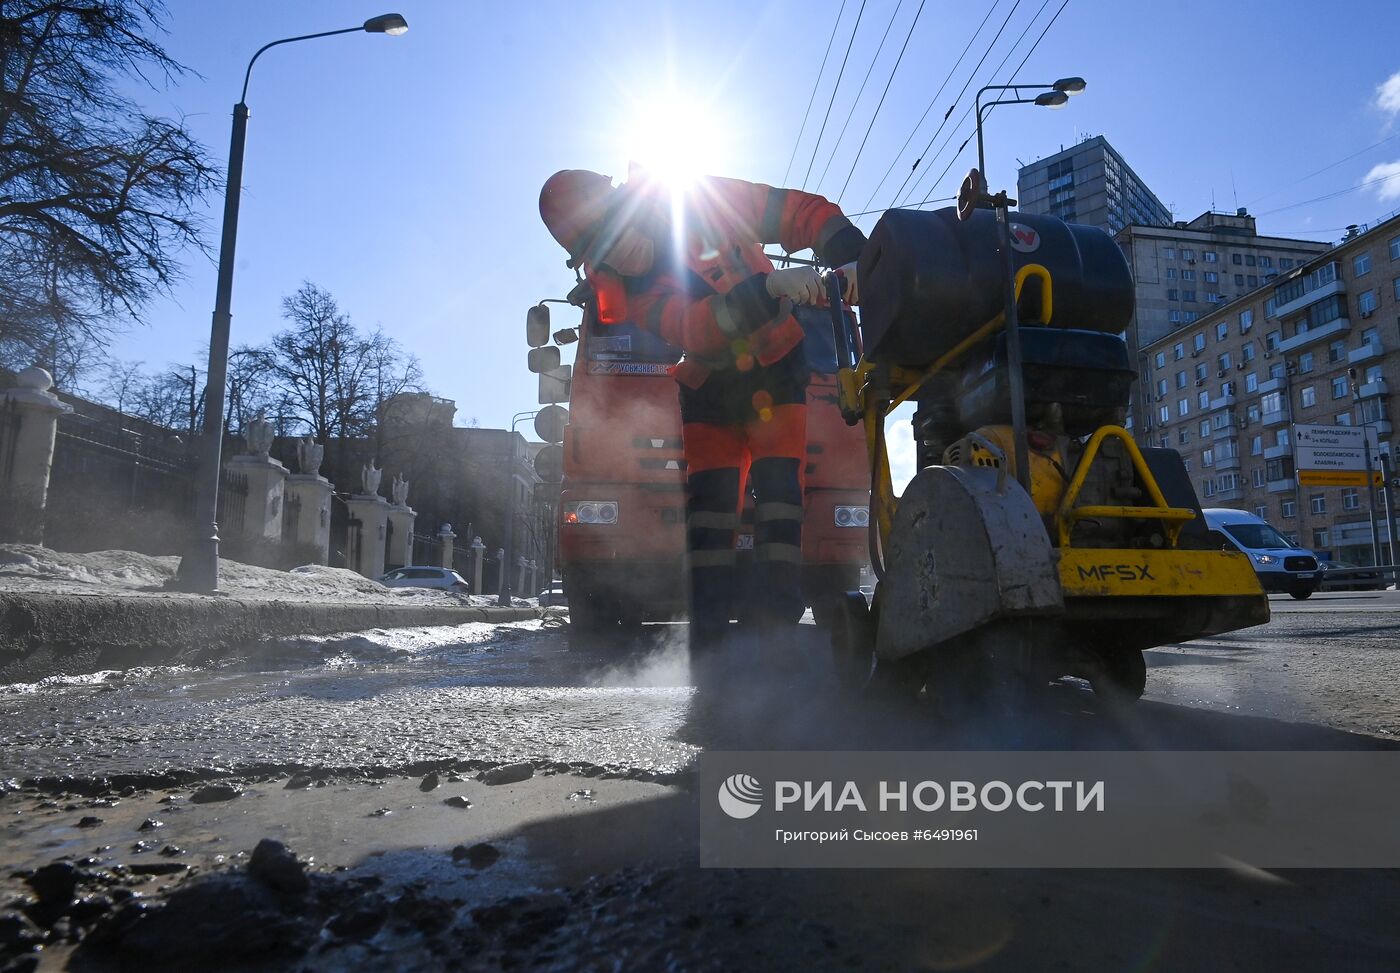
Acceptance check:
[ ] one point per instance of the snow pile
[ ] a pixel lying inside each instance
(30, 568)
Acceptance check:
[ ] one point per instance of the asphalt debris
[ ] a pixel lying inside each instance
(212, 793)
(508, 774)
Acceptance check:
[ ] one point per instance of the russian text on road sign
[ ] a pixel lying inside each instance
(1332, 448)
(1337, 478)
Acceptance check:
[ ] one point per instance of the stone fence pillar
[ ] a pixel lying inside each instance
(445, 538)
(402, 517)
(262, 512)
(478, 555)
(312, 531)
(373, 514)
(28, 421)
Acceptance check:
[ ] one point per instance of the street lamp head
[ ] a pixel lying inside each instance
(392, 24)
(1052, 99)
(1070, 86)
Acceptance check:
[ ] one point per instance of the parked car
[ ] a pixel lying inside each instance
(553, 596)
(1344, 576)
(1280, 564)
(415, 576)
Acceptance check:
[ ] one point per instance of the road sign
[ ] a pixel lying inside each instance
(1326, 478)
(1333, 449)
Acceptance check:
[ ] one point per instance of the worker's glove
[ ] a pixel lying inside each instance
(849, 292)
(801, 285)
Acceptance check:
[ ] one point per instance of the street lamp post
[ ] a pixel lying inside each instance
(504, 597)
(199, 568)
(1052, 96)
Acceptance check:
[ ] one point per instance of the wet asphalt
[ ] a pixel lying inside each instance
(330, 745)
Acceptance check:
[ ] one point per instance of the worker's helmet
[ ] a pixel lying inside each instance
(574, 204)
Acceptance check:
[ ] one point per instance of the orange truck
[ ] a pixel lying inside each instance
(622, 505)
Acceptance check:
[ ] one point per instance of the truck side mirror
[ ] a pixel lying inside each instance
(537, 325)
(544, 359)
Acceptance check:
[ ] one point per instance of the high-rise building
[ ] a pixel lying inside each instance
(1089, 183)
(1319, 344)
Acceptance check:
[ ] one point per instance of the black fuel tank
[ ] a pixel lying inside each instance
(928, 279)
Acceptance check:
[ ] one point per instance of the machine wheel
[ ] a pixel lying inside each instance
(1120, 675)
(851, 625)
(1302, 594)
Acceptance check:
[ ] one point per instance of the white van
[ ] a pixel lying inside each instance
(1281, 565)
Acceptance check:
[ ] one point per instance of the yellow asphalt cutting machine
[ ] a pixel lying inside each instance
(1036, 540)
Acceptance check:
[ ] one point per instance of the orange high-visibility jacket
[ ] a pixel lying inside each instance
(732, 321)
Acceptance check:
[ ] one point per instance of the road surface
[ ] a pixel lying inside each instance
(597, 848)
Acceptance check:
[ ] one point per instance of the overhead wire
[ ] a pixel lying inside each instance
(1374, 145)
(866, 80)
(1333, 195)
(932, 101)
(812, 99)
(1011, 80)
(825, 118)
(899, 193)
(876, 114)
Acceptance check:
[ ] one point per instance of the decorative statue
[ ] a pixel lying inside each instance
(309, 455)
(399, 490)
(369, 479)
(258, 436)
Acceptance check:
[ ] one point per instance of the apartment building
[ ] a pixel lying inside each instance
(1318, 343)
(1089, 183)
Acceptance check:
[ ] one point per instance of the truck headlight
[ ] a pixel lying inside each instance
(852, 516)
(1265, 558)
(591, 512)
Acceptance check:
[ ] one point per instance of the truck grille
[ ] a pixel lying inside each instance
(1300, 563)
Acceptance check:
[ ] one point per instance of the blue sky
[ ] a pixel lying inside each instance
(402, 173)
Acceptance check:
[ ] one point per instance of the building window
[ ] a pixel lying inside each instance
(1317, 503)
(1305, 362)
(1181, 380)
(1320, 539)
(1174, 316)
(1256, 446)
(1205, 428)
(1262, 512)
(1395, 248)
(1361, 264)
(1211, 277)
(1339, 387)
(1258, 476)
(1212, 257)
(1309, 396)
(1253, 280)
(1236, 259)
(1289, 509)
(1282, 437)
(1198, 342)
(1201, 372)
(1173, 294)
(1336, 351)
(1374, 373)
(1222, 331)
(1271, 340)
(1351, 500)
(1171, 273)
(1271, 402)
(1251, 412)
(1189, 317)
(1178, 351)
(1396, 285)
(1247, 353)
(1169, 253)
(1251, 382)
(1203, 399)
(1188, 275)
(1239, 280)
(1164, 414)
(1160, 361)
(1223, 361)
(1183, 407)
(1285, 263)
(1266, 261)
(1183, 436)
(1249, 260)
(1372, 410)
(1188, 295)
(1246, 320)
(1342, 419)
(1188, 254)
(1366, 303)
(1161, 387)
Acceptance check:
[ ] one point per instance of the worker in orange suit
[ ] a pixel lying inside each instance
(692, 271)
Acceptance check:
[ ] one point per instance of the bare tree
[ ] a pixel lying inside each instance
(97, 198)
(332, 377)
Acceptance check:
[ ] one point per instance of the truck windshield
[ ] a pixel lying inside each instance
(1257, 537)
